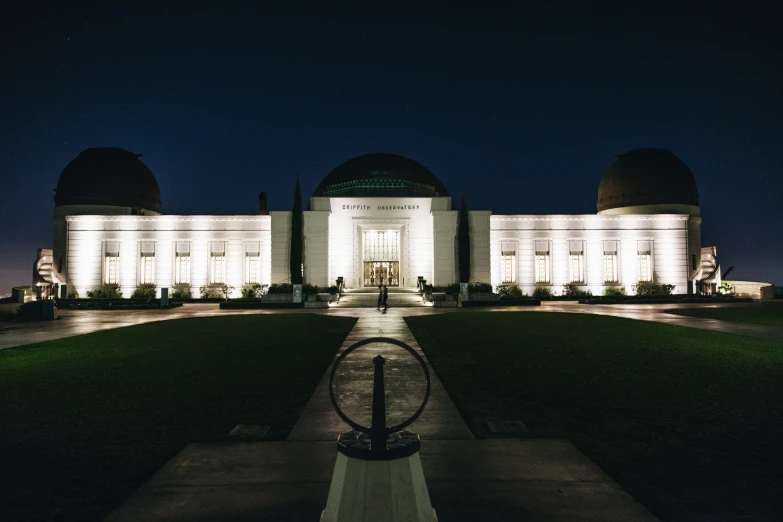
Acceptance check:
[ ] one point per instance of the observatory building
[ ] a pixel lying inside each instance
(376, 218)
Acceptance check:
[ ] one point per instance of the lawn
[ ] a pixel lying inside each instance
(87, 419)
(688, 421)
(768, 313)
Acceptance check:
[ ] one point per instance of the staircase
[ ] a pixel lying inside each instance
(368, 298)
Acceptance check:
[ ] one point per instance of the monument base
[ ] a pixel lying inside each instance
(378, 491)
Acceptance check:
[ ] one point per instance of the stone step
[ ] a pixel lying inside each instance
(356, 300)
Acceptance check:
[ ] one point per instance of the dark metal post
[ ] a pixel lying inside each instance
(378, 427)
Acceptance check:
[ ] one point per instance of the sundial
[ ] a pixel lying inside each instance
(379, 441)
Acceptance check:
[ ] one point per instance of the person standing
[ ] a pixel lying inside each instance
(380, 296)
(385, 298)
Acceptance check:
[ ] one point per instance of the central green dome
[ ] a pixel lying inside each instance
(381, 175)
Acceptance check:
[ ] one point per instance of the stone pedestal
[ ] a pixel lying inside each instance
(365, 490)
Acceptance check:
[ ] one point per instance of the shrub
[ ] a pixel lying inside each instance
(614, 291)
(208, 292)
(73, 295)
(726, 289)
(572, 290)
(452, 288)
(144, 291)
(106, 292)
(480, 288)
(11, 314)
(542, 291)
(281, 288)
(182, 292)
(308, 289)
(333, 289)
(252, 291)
(649, 288)
(509, 292)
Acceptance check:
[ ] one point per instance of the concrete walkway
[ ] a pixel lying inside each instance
(468, 481)
(78, 322)
(404, 386)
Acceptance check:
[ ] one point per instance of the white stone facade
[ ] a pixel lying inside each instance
(92, 239)
(600, 251)
(594, 238)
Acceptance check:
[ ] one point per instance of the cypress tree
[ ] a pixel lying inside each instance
(297, 219)
(463, 242)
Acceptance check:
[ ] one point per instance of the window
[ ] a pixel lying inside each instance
(508, 253)
(217, 263)
(576, 261)
(542, 262)
(252, 262)
(147, 269)
(610, 262)
(644, 258)
(182, 264)
(111, 269)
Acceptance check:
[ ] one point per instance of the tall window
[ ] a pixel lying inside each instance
(217, 263)
(542, 262)
(147, 269)
(111, 268)
(252, 262)
(576, 261)
(644, 257)
(610, 262)
(182, 264)
(508, 254)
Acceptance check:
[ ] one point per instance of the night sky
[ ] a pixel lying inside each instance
(522, 111)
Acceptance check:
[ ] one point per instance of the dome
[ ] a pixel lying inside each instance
(381, 175)
(647, 177)
(110, 177)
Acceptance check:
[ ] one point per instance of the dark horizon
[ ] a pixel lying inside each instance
(521, 110)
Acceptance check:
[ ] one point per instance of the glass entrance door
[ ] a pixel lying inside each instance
(381, 273)
(381, 257)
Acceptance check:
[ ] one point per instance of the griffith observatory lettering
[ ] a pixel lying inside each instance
(381, 207)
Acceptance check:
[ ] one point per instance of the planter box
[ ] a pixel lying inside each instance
(329, 298)
(483, 296)
(316, 304)
(250, 304)
(633, 300)
(504, 302)
(442, 296)
(441, 303)
(279, 298)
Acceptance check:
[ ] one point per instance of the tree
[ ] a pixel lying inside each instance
(463, 242)
(297, 219)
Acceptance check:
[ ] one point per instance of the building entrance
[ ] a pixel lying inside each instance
(381, 273)
(381, 257)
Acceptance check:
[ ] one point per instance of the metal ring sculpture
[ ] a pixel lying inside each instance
(392, 429)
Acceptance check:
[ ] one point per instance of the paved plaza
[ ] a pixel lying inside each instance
(77, 322)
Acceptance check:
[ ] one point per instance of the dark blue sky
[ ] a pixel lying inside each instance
(522, 110)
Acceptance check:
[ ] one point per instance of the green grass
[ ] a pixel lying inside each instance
(769, 313)
(688, 421)
(87, 419)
